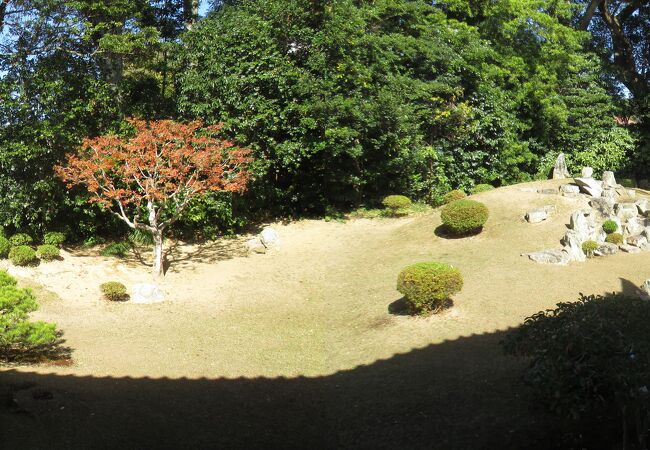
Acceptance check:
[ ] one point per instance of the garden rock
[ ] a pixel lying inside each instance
(646, 288)
(146, 294)
(547, 191)
(629, 248)
(643, 205)
(587, 172)
(608, 179)
(537, 215)
(599, 235)
(635, 226)
(589, 186)
(625, 211)
(606, 248)
(553, 256)
(569, 190)
(610, 195)
(560, 170)
(602, 206)
(255, 246)
(580, 225)
(637, 241)
(572, 242)
(269, 237)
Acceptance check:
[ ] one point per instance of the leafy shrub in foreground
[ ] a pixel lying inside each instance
(589, 247)
(590, 360)
(6, 279)
(5, 247)
(482, 188)
(117, 249)
(397, 204)
(21, 239)
(464, 216)
(48, 252)
(23, 256)
(427, 287)
(454, 195)
(54, 238)
(114, 291)
(615, 238)
(609, 226)
(17, 334)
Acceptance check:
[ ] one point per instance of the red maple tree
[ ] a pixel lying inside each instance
(149, 178)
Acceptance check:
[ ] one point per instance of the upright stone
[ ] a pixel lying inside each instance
(580, 225)
(589, 186)
(609, 181)
(587, 172)
(560, 170)
(572, 242)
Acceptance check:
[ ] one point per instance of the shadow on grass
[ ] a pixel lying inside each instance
(442, 231)
(401, 307)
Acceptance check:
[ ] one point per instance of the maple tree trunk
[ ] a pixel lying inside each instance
(158, 269)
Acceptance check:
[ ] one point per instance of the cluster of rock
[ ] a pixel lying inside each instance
(609, 201)
(267, 239)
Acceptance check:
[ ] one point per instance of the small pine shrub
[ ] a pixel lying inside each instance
(609, 226)
(19, 336)
(48, 252)
(21, 239)
(615, 238)
(482, 188)
(589, 247)
(23, 255)
(5, 246)
(54, 238)
(397, 204)
(454, 195)
(464, 216)
(116, 249)
(141, 237)
(427, 287)
(6, 279)
(114, 291)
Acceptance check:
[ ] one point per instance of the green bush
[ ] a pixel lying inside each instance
(19, 336)
(482, 188)
(628, 183)
(23, 256)
(615, 238)
(464, 216)
(453, 196)
(609, 226)
(589, 247)
(117, 249)
(21, 239)
(48, 252)
(54, 238)
(114, 291)
(5, 246)
(6, 279)
(589, 361)
(397, 204)
(427, 287)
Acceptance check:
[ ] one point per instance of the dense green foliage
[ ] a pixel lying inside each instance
(591, 360)
(481, 188)
(54, 238)
(48, 252)
(23, 255)
(397, 204)
(116, 249)
(610, 226)
(464, 216)
(615, 238)
(19, 336)
(114, 291)
(21, 239)
(589, 247)
(427, 287)
(5, 246)
(453, 196)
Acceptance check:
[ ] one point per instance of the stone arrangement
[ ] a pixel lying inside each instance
(267, 239)
(608, 201)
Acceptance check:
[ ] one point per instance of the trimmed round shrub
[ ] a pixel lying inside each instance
(397, 204)
(454, 195)
(427, 287)
(615, 238)
(6, 279)
(23, 255)
(48, 252)
(114, 291)
(464, 216)
(54, 238)
(589, 247)
(21, 239)
(609, 226)
(5, 246)
(482, 188)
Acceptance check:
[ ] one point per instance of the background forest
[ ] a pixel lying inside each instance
(341, 101)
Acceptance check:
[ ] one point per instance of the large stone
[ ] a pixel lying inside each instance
(255, 246)
(643, 205)
(552, 256)
(560, 170)
(606, 248)
(637, 241)
(580, 225)
(548, 191)
(629, 248)
(610, 195)
(570, 189)
(269, 237)
(587, 172)
(602, 206)
(572, 242)
(634, 226)
(537, 215)
(146, 293)
(589, 186)
(625, 211)
(599, 235)
(608, 179)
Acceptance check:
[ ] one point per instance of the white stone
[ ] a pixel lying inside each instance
(146, 293)
(536, 215)
(599, 235)
(580, 225)
(637, 241)
(643, 205)
(635, 226)
(590, 186)
(255, 246)
(629, 248)
(603, 206)
(587, 172)
(548, 191)
(610, 195)
(625, 211)
(608, 179)
(552, 256)
(560, 170)
(570, 189)
(269, 237)
(606, 248)
(646, 288)
(572, 242)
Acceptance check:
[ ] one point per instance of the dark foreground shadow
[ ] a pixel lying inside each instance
(443, 232)
(461, 394)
